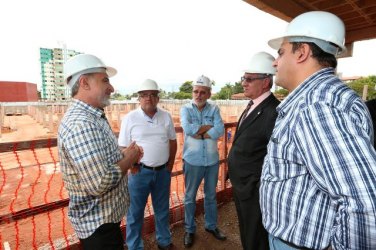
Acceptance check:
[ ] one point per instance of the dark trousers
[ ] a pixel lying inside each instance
(107, 237)
(252, 233)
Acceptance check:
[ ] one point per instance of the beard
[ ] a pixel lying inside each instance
(104, 101)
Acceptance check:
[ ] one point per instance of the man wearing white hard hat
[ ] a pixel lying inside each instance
(248, 149)
(318, 183)
(203, 126)
(94, 169)
(153, 129)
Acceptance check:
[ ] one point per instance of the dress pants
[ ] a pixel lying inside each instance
(107, 237)
(252, 233)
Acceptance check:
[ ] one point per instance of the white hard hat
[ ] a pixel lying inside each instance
(148, 85)
(261, 63)
(324, 29)
(85, 63)
(203, 81)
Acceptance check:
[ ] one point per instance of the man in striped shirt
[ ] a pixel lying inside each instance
(318, 184)
(93, 167)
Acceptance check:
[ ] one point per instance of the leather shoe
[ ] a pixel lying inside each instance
(168, 247)
(217, 234)
(188, 239)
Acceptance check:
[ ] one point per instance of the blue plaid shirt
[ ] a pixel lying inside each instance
(201, 152)
(318, 185)
(88, 153)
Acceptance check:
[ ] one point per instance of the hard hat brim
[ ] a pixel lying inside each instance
(276, 43)
(111, 71)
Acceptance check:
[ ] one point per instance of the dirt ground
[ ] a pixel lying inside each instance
(227, 222)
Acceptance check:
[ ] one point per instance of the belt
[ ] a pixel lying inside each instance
(157, 168)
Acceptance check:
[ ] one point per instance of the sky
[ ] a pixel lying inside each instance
(169, 41)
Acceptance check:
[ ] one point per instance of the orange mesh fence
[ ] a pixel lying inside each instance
(33, 201)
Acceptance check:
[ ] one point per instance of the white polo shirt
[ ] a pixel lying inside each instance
(152, 134)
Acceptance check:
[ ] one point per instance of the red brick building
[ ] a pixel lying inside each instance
(18, 92)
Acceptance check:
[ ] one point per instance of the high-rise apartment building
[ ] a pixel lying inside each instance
(52, 61)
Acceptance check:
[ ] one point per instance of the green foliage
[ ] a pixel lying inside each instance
(185, 91)
(282, 92)
(182, 95)
(358, 86)
(224, 93)
(186, 87)
(118, 96)
(228, 90)
(238, 88)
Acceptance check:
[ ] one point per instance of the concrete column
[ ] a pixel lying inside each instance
(50, 111)
(44, 119)
(59, 117)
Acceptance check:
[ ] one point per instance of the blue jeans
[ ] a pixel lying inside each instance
(193, 175)
(140, 185)
(277, 244)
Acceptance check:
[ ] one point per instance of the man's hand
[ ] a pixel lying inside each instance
(203, 129)
(132, 156)
(202, 136)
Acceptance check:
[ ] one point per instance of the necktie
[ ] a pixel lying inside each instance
(245, 112)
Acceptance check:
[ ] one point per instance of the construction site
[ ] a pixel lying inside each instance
(33, 201)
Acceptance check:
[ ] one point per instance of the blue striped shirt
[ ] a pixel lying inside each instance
(201, 152)
(88, 153)
(318, 185)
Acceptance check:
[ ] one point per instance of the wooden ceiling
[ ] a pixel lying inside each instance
(359, 16)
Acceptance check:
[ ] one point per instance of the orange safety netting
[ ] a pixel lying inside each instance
(33, 201)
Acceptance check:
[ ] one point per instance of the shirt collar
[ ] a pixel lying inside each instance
(88, 108)
(308, 84)
(261, 98)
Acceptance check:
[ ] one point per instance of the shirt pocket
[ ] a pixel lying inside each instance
(208, 120)
(283, 169)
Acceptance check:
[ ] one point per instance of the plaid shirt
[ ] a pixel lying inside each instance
(88, 153)
(318, 185)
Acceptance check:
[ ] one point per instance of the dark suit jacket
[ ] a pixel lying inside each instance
(249, 148)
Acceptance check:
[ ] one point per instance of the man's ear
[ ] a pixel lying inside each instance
(303, 52)
(266, 82)
(84, 82)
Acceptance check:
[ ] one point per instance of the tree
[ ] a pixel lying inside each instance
(182, 95)
(238, 88)
(228, 90)
(224, 93)
(118, 96)
(185, 91)
(186, 87)
(358, 86)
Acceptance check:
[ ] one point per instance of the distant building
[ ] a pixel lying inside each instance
(18, 92)
(52, 61)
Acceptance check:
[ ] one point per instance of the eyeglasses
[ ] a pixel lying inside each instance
(154, 95)
(196, 92)
(251, 79)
